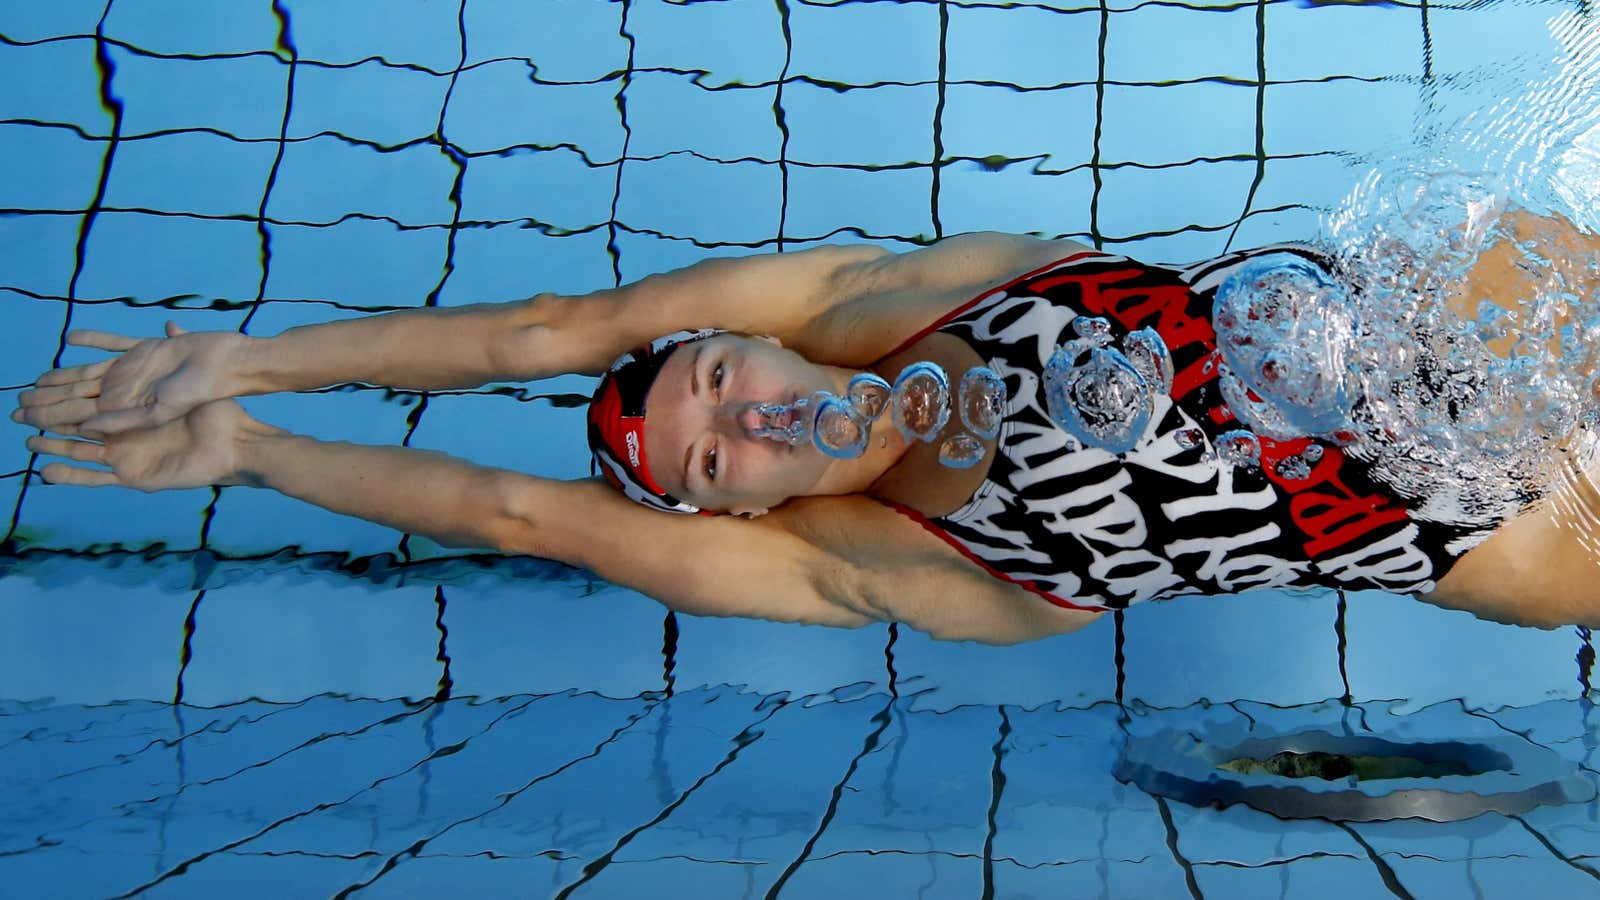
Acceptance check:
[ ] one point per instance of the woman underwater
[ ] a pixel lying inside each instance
(1037, 539)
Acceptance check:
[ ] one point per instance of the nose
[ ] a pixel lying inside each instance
(737, 420)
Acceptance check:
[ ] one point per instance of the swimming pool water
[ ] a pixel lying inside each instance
(212, 690)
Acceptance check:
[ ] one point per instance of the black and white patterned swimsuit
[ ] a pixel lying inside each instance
(1089, 529)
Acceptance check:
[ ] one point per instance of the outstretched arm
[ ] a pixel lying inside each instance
(703, 566)
(837, 304)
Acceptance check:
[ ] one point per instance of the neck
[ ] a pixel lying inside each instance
(885, 449)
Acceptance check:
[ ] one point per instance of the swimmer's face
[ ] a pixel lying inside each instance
(698, 420)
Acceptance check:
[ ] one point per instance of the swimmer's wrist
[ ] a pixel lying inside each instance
(259, 452)
(250, 369)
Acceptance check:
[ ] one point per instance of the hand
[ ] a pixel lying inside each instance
(198, 450)
(149, 383)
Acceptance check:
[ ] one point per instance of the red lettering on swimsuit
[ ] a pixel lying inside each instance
(1333, 516)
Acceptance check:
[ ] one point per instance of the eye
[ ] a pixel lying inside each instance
(716, 379)
(711, 464)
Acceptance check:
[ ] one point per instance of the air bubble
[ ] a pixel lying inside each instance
(1094, 329)
(1190, 438)
(1293, 468)
(920, 401)
(982, 401)
(961, 451)
(1238, 448)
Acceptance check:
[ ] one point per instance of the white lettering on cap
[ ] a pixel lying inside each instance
(632, 440)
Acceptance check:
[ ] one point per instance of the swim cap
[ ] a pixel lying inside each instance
(616, 421)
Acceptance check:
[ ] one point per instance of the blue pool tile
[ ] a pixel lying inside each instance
(1270, 226)
(679, 36)
(62, 168)
(924, 875)
(1022, 45)
(1320, 181)
(356, 263)
(279, 640)
(535, 437)
(502, 634)
(70, 95)
(1157, 876)
(770, 800)
(1211, 838)
(193, 26)
(1309, 877)
(1193, 43)
(301, 875)
(1365, 41)
(1463, 40)
(1177, 123)
(141, 322)
(28, 342)
(885, 125)
(1074, 669)
(1061, 806)
(1183, 247)
(865, 43)
(40, 250)
(109, 643)
(325, 178)
(242, 97)
(1134, 199)
(411, 32)
(667, 196)
(892, 203)
(669, 113)
(1344, 116)
(1265, 645)
(643, 255)
(1444, 659)
(575, 777)
(370, 102)
(37, 21)
(195, 821)
(53, 517)
(496, 106)
(569, 40)
(151, 257)
(43, 872)
(190, 173)
(779, 656)
(551, 187)
(927, 792)
(1056, 125)
(480, 876)
(1534, 876)
(1014, 199)
(508, 262)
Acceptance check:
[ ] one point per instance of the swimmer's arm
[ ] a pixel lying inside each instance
(844, 304)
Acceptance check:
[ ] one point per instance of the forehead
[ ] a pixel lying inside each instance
(668, 426)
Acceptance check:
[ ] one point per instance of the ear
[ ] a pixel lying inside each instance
(771, 339)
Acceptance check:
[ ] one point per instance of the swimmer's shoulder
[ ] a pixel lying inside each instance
(886, 298)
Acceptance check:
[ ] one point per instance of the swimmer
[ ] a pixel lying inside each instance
(694, 508)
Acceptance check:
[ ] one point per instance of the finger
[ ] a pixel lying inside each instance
(61, 473)
(45, 396)
(74, 373)
(121, 420)
(67, 412)
(174, 329)
(82, 451)
(100, 340)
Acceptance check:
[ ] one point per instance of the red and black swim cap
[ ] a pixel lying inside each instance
(616, 421)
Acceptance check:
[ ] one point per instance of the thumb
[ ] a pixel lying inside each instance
(121, 420)
(173, 330)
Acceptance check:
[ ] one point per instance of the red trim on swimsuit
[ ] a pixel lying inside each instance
(922, 520)
(940, 533)
(949, 316)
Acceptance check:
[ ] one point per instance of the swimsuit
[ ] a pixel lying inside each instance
(1088, 529)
